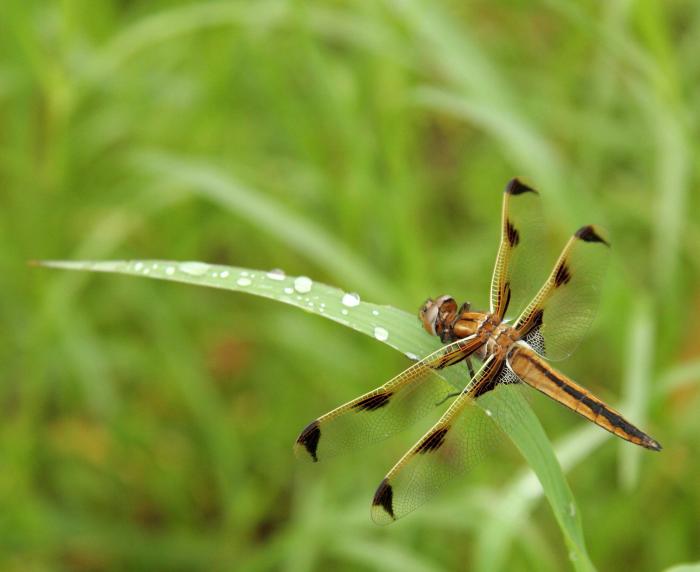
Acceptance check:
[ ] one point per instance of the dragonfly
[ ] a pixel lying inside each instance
(512, 352)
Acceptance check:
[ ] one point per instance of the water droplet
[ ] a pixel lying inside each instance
(351, 299)
(224, 274)
(244, 273)
(572, 509)
(243, 282)
(138, 266)
(215, 274)
(276, 274)
(344, 312)
(170, 270)
(489, 412)
(303, 284)
(375, 312)
(321, 310)
(381, 334)
(146, 270)
(194, 268)
(289, 290)
(411, 355)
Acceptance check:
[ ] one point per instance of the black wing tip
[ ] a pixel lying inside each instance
(516, 187)
(384, 497)
(590, 233)
(309, 439)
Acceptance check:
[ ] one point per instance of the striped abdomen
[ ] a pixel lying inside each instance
(536, 372)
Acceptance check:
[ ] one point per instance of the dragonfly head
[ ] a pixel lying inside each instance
(437, 315)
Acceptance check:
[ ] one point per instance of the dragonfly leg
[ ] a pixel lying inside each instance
(448, 396)
(470, 368)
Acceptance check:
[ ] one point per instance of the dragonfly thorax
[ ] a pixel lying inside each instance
(441, 318)
(499, 340)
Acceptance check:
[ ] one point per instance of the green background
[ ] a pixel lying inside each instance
(148, 426)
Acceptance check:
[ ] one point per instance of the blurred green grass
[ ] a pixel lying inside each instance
(149, 426)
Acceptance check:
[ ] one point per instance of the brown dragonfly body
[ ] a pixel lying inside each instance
(499, 340)
(511, 352)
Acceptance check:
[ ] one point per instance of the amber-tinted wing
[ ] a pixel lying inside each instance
(382, 412)
(515, 274)
(559, 315)
(537, 373)
(452, 446)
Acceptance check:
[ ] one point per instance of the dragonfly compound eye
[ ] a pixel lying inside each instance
(436, 314)
(428, 315)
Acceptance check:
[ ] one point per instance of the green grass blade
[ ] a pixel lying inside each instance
(392, 326)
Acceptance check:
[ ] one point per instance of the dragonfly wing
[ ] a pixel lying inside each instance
(560, 314)
(387, 409)
(519, 256)
(452, 446)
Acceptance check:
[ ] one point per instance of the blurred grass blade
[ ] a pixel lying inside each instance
(680, 376)
(673, 184)
(206, 180)
(381, 555)
(392, 326)
(638, 371)
(526, 148)
(684, 568)
(172, 24)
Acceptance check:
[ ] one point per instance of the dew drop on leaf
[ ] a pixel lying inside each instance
(351, 300)
(381, 334)
(276, 274)
(303, 284)
(194, 268)
(243, 281)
